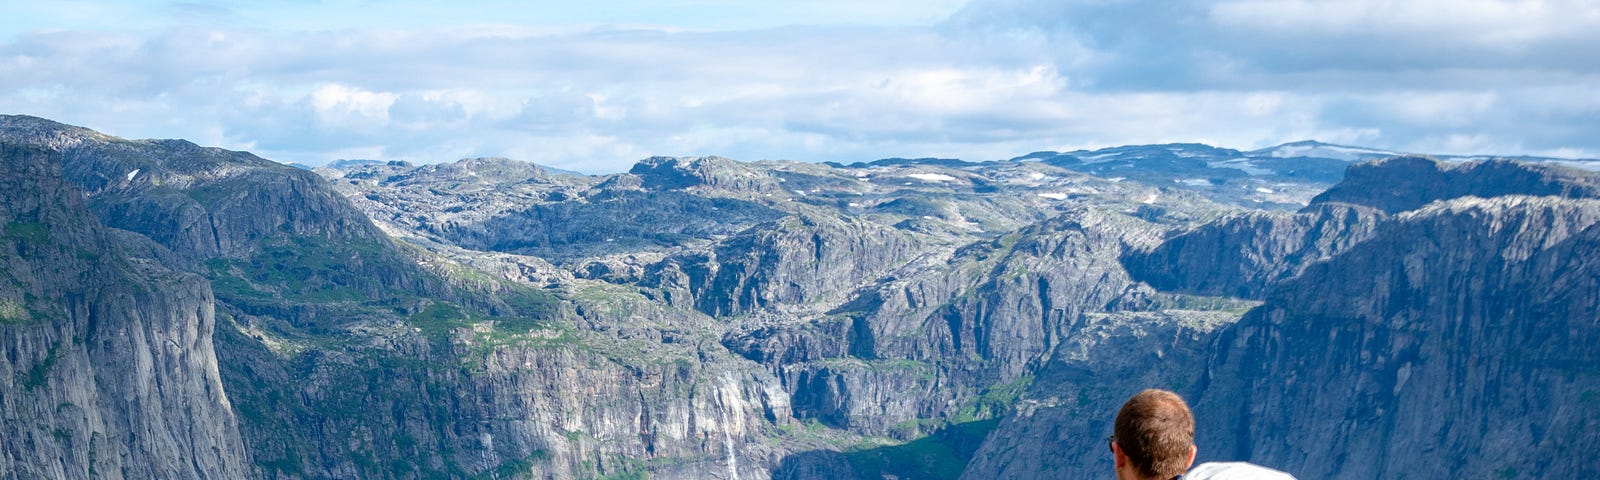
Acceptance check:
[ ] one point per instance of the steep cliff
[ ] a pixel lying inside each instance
(1455, 330)
(1463, 330)
(1244, 255)
(107, 368)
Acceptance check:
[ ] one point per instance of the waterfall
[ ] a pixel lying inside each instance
(727, 439)
(727, 401)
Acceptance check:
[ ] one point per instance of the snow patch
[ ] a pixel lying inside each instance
(1151, 199)
(1035, 176)
(1097, 158)
(1264, 190)
(1349, 154)
(132, 174)
(1241, 164)
(932, 177)
(1194, 182)
(1054, 195)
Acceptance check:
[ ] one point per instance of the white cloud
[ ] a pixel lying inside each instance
(998, 79)
(342, 106)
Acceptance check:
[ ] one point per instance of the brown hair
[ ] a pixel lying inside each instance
(1156, 431)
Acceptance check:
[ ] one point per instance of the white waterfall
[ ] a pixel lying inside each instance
(727, 439)
(728, 398)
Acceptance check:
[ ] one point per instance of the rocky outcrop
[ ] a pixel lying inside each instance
(794, 261)
(1407, 183)
(106, 367)
(1244, 255)
(920, 347)
(199, 202)
(675, 173)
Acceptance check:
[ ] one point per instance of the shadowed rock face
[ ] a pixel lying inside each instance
(106, 363)
(1244, 256)
(1463, 329)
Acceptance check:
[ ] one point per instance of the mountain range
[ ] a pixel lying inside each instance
(175, 311)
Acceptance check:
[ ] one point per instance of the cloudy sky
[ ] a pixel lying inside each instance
(599, 84)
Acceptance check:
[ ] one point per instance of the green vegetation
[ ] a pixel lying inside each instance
(30, 232)
(994, 402)
(36, 376)
(946, 452)
(625, 469)
(208, 194)
(942, 455)
(439, 319)
(514, 467)
(305, 272)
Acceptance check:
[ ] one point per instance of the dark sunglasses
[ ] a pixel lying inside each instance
(1111, 439)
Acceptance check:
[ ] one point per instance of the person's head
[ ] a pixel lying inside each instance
(1154, 436)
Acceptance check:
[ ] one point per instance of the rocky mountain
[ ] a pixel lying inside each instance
(710, 318)
(108, 369)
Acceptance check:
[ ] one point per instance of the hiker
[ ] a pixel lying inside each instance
(1154, 440)
(1154, 437)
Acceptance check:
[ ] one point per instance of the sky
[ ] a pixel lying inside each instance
(595, 86)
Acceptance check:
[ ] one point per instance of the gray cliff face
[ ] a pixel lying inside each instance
(1243, 256)
(107, 368)
(931, 346)
(1463, 329)
(1058, 429)
(798, 260)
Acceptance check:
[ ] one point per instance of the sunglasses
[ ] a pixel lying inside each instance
(1111, 440)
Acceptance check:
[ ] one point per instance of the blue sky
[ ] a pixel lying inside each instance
(597, 85)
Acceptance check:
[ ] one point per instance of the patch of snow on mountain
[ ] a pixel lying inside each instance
(1054, 195)
(1323, 150)
(932, 177)
(1097, 158)
(1241, 164)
